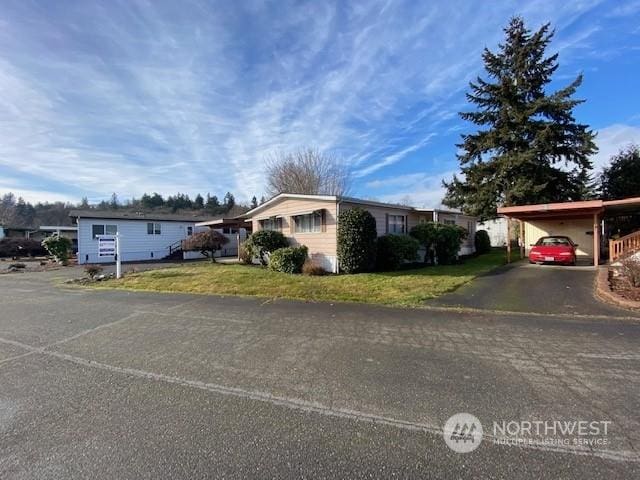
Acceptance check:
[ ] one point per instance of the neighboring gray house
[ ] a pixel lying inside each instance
(143, 236)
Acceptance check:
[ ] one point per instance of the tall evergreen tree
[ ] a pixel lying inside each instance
(622, 177)
(198, 202)
(529, 149)
(254, 202)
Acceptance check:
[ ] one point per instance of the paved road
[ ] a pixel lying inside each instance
(109, 384)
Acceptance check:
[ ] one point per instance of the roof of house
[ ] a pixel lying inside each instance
(329, 198)
(137, 215)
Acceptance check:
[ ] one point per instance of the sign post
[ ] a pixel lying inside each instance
(118, 261)
(109, 246)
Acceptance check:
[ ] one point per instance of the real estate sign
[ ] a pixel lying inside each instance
(106, 246)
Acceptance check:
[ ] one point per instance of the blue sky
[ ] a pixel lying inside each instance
(142, 96)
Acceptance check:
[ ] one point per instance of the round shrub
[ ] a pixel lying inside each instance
(482, 242)
(58, 247)
(312, 268)
(288, 259)
(356, 241)
(263, 242)
(244, 254)
(448, 240)
(426, 234)
(394, 250)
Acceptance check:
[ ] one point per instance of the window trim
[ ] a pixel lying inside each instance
(395, 222)
(104, 226)
(314, 215)
(154, 230)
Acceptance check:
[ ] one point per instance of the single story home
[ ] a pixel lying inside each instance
(45, 231)
(143, 235)
(588, 223)
(311, 220)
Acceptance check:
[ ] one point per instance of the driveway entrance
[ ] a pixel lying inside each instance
(522, 287)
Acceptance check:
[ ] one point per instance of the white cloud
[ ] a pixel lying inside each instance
(193, 98)
(610, 140)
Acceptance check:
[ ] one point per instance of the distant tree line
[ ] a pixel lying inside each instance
(15, 211)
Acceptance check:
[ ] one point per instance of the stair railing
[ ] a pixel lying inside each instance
(624, 246)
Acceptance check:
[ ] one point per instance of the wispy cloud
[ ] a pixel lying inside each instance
(133, 96)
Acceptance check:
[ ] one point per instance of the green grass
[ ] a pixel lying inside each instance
(402, 288)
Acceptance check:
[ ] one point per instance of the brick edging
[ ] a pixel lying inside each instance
(603, 291)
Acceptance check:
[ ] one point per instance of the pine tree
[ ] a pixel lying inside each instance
(113, 203)
(530, 149)
(198, 203)
(229, 201)
(254, 202)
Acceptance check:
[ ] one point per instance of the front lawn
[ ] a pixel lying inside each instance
(401, 288)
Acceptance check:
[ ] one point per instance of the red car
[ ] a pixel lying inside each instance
(556, 249)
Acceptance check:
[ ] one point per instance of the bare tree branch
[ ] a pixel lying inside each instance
(307, 171)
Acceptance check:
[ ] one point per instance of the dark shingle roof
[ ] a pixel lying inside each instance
(139, 215)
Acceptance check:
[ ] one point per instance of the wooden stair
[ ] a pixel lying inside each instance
(624, 246)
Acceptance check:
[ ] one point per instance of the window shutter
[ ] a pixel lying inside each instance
(406, 224)
(386, 222)
(323, 220)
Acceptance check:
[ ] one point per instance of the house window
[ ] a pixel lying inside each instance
(309, 223)
(229, 230)
(271, 224)
(397, 224)
(153, 228)
(449, 222)
(189, 231)
(97, 230)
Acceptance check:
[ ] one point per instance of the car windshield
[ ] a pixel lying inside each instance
(554, 241)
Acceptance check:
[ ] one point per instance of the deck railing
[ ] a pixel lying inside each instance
(624, 246)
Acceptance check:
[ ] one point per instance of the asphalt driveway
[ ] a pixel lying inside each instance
(522, 287)
(111, 384)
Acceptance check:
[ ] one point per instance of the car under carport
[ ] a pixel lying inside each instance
(585, 222)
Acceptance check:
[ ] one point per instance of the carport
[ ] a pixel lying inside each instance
(583, 222)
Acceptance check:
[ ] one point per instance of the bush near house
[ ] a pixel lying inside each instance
(439, 238)
(356, 241)
(426, 234)
(288, 259)
(448, 242)
(394, 250)
(21, 247)
(313, 269)
(630, 268)
(482, 242)
(244, 254)
(58, 247)
(264, 242)
(207, 243)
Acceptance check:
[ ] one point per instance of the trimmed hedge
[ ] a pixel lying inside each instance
(263, 242)
(21, 247)
(482, 242)
(356, 241)
(288, 259)
(58, 247)
(394, 250)
(440, 238)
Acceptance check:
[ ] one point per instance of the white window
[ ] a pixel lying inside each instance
(271, 224)
(309, 223)
(154, 228)
(97, 230)
(397, 224)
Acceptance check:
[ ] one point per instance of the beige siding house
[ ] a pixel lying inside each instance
(312, 220)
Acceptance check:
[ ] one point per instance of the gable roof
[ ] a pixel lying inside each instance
(329, 198)
(138, 215)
